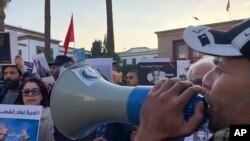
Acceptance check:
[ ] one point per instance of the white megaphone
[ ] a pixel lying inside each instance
(81, 100)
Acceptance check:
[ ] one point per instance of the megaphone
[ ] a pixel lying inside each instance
(81, 100)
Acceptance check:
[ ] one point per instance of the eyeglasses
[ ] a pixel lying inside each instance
(34, 92)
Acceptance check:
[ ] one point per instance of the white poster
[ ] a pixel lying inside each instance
(19, 121)
(182, 68)
(42, 68)
(103, 65)
(8, 47)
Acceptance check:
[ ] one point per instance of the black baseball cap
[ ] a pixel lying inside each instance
(60, 60)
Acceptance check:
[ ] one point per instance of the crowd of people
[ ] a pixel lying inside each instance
(223, 80)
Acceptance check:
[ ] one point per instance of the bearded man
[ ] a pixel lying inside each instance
(12, 75)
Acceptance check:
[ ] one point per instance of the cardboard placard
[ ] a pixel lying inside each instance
(8, 48)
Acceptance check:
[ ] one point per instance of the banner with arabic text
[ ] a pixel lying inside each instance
(19, 121)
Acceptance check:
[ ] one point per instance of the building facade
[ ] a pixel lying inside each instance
(32, 42)
(135, 55)
(171, 44)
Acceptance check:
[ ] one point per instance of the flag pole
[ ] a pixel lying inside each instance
(228, 9)
(74, 40)
(229, 14)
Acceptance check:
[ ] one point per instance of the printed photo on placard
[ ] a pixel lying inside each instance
(103, 65)
(8, 47)
(182, 68)
(42, 68)
(29, 66)
(19, 122)
(152, 72)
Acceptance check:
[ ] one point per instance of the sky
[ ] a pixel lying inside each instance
(135, 21)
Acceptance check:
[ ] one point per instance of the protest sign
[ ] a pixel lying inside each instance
(79, 54)
(42, 68)
(151, 72)
(20, 121)
(103, 65)
(8, 47)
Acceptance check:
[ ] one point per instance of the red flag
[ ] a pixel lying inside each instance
(69, 36)
(228, 5)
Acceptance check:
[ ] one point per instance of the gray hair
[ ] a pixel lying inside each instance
(207, 61)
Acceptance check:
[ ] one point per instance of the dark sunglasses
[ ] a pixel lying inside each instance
(34, 92)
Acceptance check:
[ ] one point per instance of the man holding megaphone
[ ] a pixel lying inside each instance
(226, 89)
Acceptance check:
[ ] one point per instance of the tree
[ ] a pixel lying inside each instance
(99, 50)
(113, 55)
(47, 24)
(3, 5)
(110, 32)
(96, 49)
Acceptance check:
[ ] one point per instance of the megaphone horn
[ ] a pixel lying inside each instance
(81, 100)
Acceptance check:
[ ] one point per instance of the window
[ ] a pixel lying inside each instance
(41, 50)
(20, 52)
(180, 50)
(124, 61)
(133, 61)
(195, 55)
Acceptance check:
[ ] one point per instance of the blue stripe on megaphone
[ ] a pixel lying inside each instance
(135, 100)
(137, 97)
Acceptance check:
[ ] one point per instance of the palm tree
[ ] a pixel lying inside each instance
(110, 32)
(47, 31)
(3, 4)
